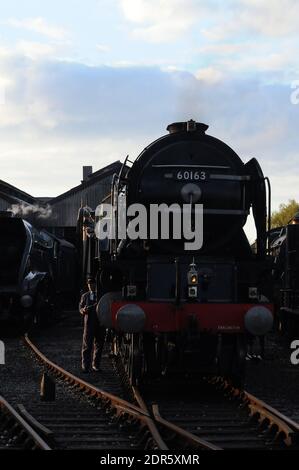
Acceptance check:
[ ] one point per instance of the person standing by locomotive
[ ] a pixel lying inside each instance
(93, 335)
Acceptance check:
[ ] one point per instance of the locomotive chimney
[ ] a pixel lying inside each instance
(189, 126)
(87, 171)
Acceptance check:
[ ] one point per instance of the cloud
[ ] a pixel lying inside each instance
(277, 18)
(39, 25)
(60, 115)
(210, 75)
(36, 50)
(73, 98)
(229, 39)
(103, 48)
(164, 20)
(249, 58)
(161, 20)
(224, 48)
(266, 19)
(46, 165)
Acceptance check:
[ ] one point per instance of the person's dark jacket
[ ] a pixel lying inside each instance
(87, 302)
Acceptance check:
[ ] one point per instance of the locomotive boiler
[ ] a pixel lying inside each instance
(172, 307)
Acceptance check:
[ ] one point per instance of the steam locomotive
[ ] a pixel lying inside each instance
(35, 269)
(285, 251)
(172, 307)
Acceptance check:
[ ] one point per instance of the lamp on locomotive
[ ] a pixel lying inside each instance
(192, 278)
(295, 219)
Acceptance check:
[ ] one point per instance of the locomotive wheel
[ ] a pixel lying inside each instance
(44, 309)
(231, 360)
(154, 355)
(136, 359)
(239, 362)
(162, 354)
(121, 345)
(131, 351)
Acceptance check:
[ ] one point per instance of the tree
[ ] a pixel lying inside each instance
(284, 214)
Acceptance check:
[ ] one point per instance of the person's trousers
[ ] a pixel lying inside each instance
(93, 341)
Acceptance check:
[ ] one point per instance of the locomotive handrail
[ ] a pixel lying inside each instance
(267, 180)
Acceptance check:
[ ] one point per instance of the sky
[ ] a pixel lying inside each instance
(86, 83)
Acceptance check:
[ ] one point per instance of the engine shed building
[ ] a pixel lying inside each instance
(93, 188)
(10, 195)
(63, 209)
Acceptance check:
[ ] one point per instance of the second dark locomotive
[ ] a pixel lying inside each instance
(285, 252)
(36, 270)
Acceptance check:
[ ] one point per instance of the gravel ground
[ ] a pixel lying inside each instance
(20, 377)
(75, 421)
(275, 380)
(62, 344)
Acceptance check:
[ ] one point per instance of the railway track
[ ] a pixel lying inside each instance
(79, 418)
(133, 414)
(275, 380)
(15, 432)
(127, 408)
(210, 415)
(138, 428)
(225, 417)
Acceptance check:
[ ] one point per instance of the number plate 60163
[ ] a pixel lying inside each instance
(190, 175)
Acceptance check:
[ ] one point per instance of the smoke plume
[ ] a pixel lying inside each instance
(33, 213)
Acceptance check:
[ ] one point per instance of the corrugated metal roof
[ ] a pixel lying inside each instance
(65, 210)
(11, 190)
(65, 206)
(92, 179)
